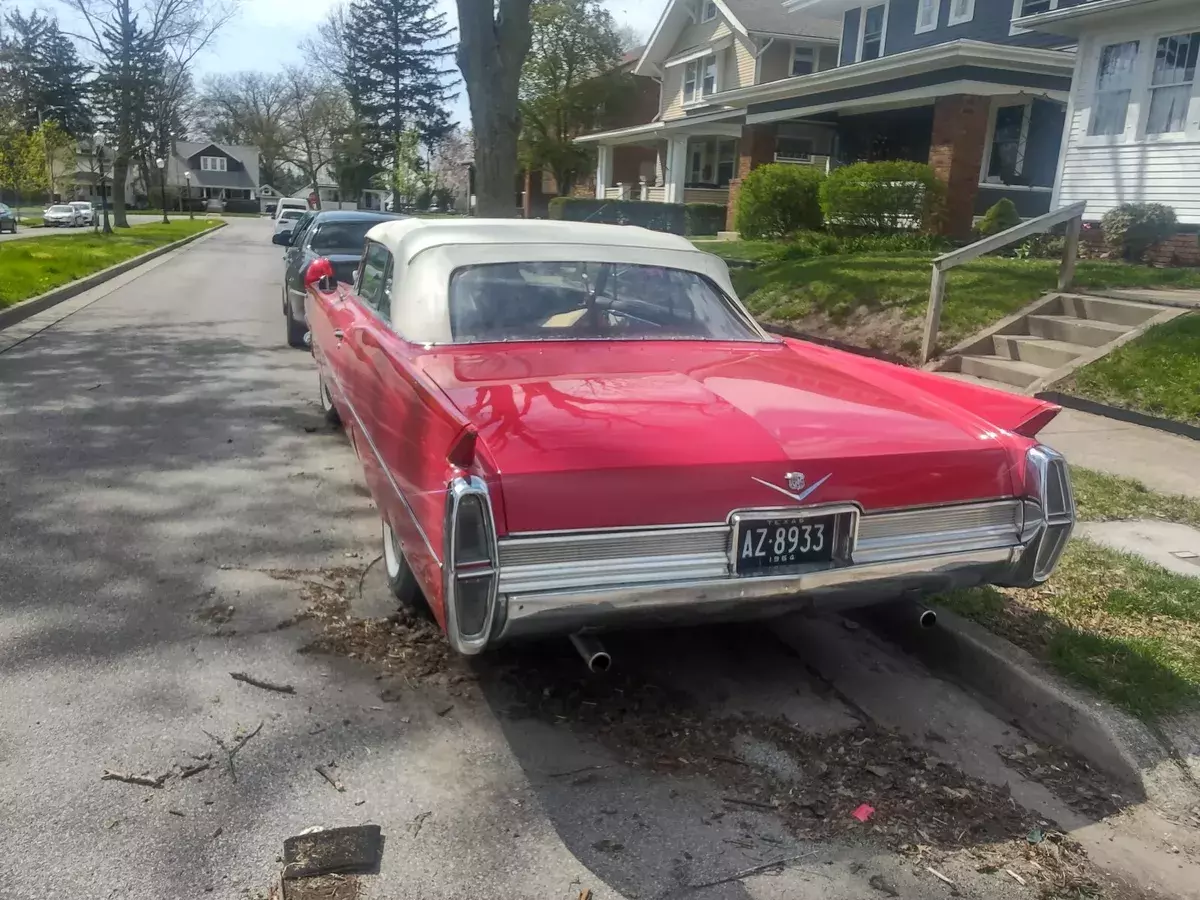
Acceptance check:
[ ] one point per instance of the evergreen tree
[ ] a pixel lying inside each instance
(400, 80)
(41, 75)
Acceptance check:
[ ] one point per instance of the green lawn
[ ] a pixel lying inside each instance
(1111, 622)
(1157, 373)
(879, 300)
(31, 267)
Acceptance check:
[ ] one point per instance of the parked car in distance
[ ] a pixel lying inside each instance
(8, 219)
(60, 216)
(286, 221)
(569, 427)
(337, 236)
(286, 203)
(87, 212)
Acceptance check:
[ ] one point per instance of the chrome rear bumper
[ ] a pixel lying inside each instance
(737, 598)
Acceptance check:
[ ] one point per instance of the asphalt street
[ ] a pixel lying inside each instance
(167, 490)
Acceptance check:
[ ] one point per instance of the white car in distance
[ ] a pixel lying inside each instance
(87, 212)
(60, 216)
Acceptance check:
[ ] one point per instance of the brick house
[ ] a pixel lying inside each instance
(536, 186)
(954, 83)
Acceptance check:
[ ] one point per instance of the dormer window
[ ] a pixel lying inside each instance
(213, 164)
(708, 10)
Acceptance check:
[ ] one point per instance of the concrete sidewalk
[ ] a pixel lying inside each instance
(1163, 462)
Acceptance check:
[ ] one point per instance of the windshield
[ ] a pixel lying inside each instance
(533, 301)
(341, 237)
(61, 209)
(291, 214)
(81, 205)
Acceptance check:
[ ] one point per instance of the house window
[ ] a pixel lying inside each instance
(213, 163)
(708, 10)
(1033, 7)
(1171, 83)
(711, 162)
(1114, 84)
(793, 149)
(961, 11)
(1009, 139)
(699, 78)
(870, 43)
(927, 15)
(804, 60)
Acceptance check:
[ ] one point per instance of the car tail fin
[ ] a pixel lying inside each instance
(462, 449)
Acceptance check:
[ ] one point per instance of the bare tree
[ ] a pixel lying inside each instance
(128, 39)
(250, 108)
(493, 41)
(317, 113)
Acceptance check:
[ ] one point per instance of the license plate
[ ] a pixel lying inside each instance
(764, 545)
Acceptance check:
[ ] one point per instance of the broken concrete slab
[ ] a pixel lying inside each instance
(1173, 546)
(353, 849)
(1043, 705)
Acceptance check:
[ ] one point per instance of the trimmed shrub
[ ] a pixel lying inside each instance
(778, 199)
(882, 197)
(1000, 217)
(1133, 228)
(667, 217)
(703, 218)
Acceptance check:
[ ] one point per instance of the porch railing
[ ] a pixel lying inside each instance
(1072, 215)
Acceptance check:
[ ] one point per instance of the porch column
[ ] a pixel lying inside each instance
(676, 170)
(956, 149)
(755, 148)
(604, 161)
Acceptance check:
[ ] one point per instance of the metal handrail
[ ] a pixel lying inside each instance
(1072, 214)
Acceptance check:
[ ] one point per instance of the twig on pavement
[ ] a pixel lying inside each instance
(130, 778)
(337, 785)
(259, 683)
(189, 771)
(939, 876)
(231, 752)
(755, 870)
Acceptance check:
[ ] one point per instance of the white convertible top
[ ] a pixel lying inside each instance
(426, 252)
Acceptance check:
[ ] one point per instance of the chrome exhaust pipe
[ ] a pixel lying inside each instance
(927, 618)
(595, 657)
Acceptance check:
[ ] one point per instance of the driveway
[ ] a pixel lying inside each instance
(171, 504)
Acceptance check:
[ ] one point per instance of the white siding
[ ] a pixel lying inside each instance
(1129, 168)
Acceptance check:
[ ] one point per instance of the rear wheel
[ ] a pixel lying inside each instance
(400, 578)
(327, 407)
(295, 330)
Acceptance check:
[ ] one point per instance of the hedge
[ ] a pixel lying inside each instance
(668, 217)
(777, 199)
(882, 197)
(1133, 228)
(703, 218)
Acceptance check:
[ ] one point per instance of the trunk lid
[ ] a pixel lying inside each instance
(613, 434)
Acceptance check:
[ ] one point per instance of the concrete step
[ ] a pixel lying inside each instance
(997, 368)
(1071, 330)
(1036, 350)
(1106, 309)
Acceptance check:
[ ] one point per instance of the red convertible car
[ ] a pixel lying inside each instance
(568, 427)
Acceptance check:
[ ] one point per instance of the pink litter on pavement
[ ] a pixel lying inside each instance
(864, 812)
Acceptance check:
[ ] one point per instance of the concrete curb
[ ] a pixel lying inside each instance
(34, 305)
(1123, 415)
(1040, 703)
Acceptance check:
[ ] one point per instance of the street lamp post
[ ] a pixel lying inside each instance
(191, 212)
(162, 180)
(98, 147)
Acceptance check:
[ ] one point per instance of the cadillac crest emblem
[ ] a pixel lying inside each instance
(795, 481)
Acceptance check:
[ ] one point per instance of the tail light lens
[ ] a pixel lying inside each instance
(1048, 483)
(470, 586)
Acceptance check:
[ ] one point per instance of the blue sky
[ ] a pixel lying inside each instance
(266, 33)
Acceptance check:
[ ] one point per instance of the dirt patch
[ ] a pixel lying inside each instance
(1069, 776)
(407, 645)
(864, 784)
(322, 887)
(889, 332)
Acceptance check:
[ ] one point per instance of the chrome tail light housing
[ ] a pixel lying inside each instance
(471, 565)
(1049, 515)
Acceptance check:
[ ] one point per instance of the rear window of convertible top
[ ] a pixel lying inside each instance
(554, 301)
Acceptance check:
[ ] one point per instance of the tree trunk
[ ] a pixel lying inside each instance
(491, 50)
(120, 174)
